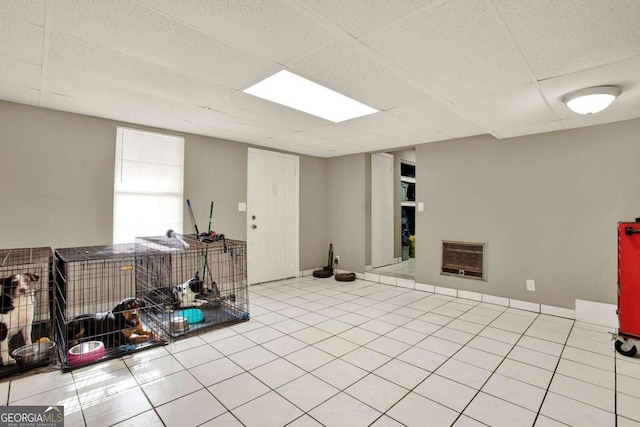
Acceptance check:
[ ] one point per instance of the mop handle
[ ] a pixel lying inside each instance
(193, 219)
(210, 215)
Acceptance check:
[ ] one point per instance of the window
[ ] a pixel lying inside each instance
(148, 184)
(464, 259)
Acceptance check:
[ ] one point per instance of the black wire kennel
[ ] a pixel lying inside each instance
(26, 309)
(98, 313)
(207, 285)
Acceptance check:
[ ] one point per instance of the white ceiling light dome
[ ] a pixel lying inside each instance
(591, 100)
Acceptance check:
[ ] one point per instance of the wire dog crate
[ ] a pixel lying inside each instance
(26, 307)
(98, 314)
(207, 285)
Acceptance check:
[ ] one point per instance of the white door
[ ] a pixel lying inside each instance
(272, 216)
(382, 230)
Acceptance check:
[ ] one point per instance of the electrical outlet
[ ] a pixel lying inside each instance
(531, 285)
(336, 259)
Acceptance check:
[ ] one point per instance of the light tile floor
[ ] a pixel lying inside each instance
(319, 352)
(400, 269)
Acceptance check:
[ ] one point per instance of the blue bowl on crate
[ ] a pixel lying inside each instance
(193, 315)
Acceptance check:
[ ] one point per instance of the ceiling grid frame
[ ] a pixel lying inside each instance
(416, 110)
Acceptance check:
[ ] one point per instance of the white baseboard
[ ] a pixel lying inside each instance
(425, 288)
(388, 280)
(557, 311)
(492, 299)
(371, 277)
(446, 291)
(406, 283)
(475, 296)
(585, 311)
(597, 312)
(524, 305)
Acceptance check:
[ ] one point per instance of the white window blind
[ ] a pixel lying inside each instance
(148, 184)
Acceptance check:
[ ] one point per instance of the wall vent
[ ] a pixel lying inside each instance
(464, 259)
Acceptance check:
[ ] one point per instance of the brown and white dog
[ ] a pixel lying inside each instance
(16, 311)
(114, 328)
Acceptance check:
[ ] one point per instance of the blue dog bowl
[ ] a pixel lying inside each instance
(193, 315)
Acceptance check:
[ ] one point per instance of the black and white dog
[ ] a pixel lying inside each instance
(187, 294)
(16, 311)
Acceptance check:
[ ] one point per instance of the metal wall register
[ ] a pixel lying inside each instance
(31, 416)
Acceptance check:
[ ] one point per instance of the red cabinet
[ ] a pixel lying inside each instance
(629, 278)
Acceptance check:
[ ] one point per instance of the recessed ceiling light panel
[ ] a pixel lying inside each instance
(296, 92)
(591, 100)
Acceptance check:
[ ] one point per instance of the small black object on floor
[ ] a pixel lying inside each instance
(326, 271)
(345, 277)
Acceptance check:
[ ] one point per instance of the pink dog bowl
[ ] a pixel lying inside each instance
(86, 352)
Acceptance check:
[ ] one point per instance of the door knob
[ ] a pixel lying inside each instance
(253, 217)
(254, 226)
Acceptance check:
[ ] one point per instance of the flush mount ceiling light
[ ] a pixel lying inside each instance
(591, 100)
(296, 92)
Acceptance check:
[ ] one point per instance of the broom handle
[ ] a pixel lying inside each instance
(193, 219)
(206, 253)
(210, 215)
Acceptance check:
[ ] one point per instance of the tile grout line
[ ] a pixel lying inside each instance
(554, 374)
(494, 371)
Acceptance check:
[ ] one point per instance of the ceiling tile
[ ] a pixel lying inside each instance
(312, 145)
(84, 88)
(339, 132)
(523, 106)
(21, 40)
(241, 104)
(264, 28)
(135, 30)
(346, 68)
(21, 95)
(625, 74)
(457, 49)
(433, 115)
(390, 126)
(86, 59)
(360, 17)
(513, 131)
(223, 133)
(20, 73)
(559, 37)
(228, 121)
(26, 10)
(112, 112)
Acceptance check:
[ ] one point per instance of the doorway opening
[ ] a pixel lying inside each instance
(402, 204)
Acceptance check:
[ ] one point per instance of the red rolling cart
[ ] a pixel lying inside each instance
(628, 336)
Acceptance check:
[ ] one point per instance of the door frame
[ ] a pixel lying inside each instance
(382, 210)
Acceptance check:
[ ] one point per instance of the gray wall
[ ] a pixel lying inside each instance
(56, 178)
(313, 207)
(56, 183)
(215, 170)
(346, 210)
(547, 206)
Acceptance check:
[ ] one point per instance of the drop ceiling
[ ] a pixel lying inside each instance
(435, 69)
